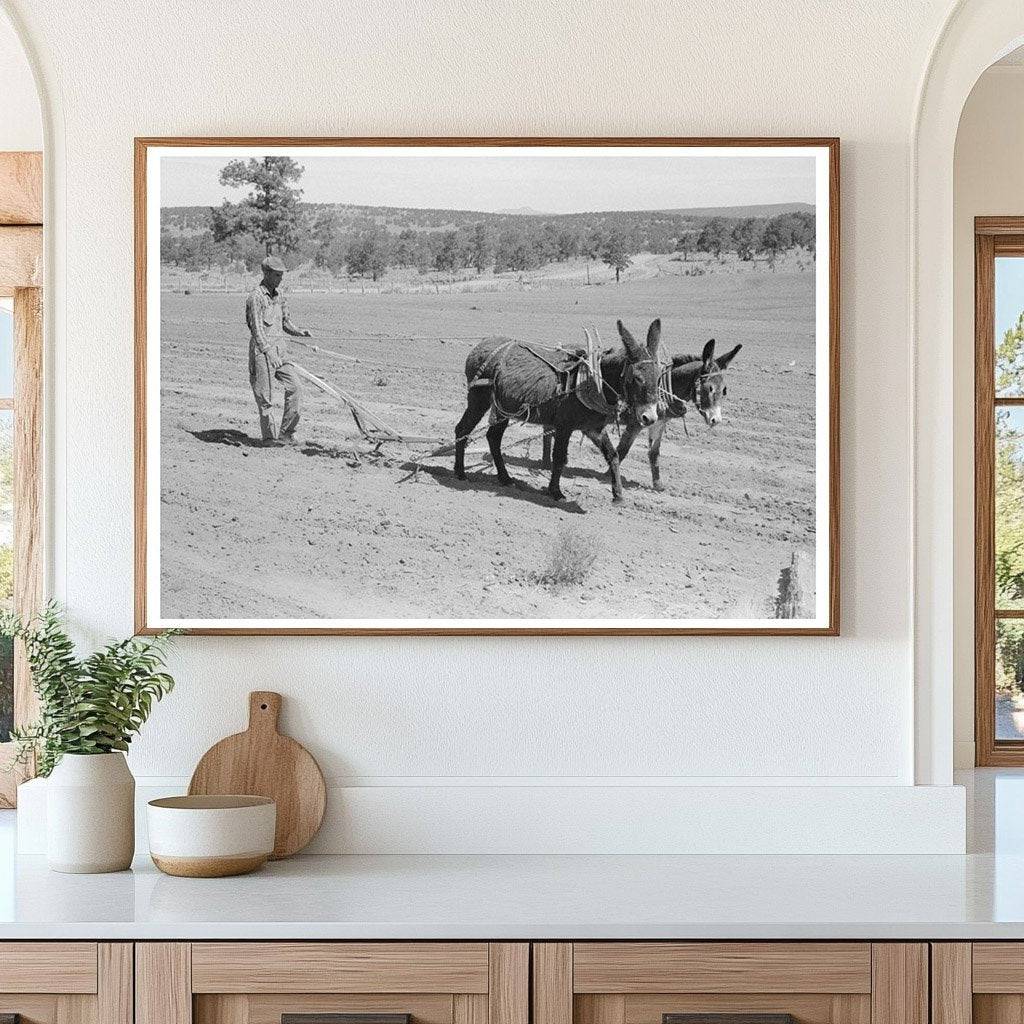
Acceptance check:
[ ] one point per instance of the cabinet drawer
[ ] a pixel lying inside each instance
(262, 982)
(66, 982)
(998, 967)
(635, 967)
(749, 982)
(980, 982)
(48, 967)
(340, 967)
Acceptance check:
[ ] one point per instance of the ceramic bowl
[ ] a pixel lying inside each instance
(211, 836)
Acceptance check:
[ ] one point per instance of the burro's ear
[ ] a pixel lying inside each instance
(654, 339)
(724, 361)
(708, 354)
(633, 349)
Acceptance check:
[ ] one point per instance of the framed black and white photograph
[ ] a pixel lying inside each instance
(494, 386)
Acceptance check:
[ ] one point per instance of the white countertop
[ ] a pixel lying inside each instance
(978, 896)
(532, 897)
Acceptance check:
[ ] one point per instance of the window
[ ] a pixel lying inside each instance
(21, 374)
(999, 490)
(20, 503)
(6, 510)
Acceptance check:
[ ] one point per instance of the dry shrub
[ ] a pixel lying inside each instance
(789, 596)
(794, 595)
(571, 556)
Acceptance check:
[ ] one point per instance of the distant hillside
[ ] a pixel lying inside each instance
(522, 211)
(737, 212)
(197, 217)
(367, 239)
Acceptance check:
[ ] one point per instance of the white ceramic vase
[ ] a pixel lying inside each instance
(90, 814)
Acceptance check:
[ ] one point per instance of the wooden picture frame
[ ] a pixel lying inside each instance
(826, 622)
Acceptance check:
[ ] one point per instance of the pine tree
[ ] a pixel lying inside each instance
(616, 253)
(270, 212)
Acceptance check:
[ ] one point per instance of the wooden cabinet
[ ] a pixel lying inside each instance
(493, 983)
(66, 982)
(815, 982)
(260, 982)
(979, 982)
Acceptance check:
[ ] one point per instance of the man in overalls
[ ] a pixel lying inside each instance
(266, 316)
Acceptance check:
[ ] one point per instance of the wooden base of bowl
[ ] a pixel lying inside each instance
(210, 867)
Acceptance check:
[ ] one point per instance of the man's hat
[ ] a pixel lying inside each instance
(273, 263)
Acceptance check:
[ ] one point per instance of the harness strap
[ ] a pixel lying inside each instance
(557, 369)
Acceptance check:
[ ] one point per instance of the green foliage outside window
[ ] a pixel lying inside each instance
(1009, 508)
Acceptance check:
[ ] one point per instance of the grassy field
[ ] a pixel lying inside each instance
(330, 529)
(570, 273)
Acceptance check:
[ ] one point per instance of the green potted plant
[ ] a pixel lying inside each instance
(89, 710)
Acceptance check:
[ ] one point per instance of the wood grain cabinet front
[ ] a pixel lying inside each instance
(730, 983)
(66, 982)
(332, 983)
(977, 983)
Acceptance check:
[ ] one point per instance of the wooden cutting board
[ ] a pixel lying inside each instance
(262, 762)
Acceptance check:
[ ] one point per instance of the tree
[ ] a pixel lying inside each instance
(270, 212)
(746, 238)
(325, 234)
(1009, 471)
(591, 247)
(513, 252)
(1010, 361)
(479, 248)
(714, 237)
(545, 243)
(658, 239)
(803, 229)
(685, 243)
(568, 244)
(616, 254)
(169, 253)
(449, 255)
(405, 248)
(367, 256)
(787, 231)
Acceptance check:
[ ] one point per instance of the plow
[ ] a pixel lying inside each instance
(378, 433)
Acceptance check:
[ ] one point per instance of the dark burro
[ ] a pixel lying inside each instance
(564, 390)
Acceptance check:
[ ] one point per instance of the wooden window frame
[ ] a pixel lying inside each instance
(21, 272)
(993, 237)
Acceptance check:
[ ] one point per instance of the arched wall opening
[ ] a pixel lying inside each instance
(21, 118)
(986, 182)
(976, 34)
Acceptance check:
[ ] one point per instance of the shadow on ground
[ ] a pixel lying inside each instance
(224, 435)
(517, 489)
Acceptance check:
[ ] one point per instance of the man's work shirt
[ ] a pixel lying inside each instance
(266, 316)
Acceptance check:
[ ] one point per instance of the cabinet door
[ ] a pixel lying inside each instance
(981, 982)
(66, 982)
(332, 983)
(736, 982)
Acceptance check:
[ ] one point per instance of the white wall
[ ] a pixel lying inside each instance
(988, 181)
(443, 713)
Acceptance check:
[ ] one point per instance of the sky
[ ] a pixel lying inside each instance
(552, 180)
(6, 349)
(1009, 293)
